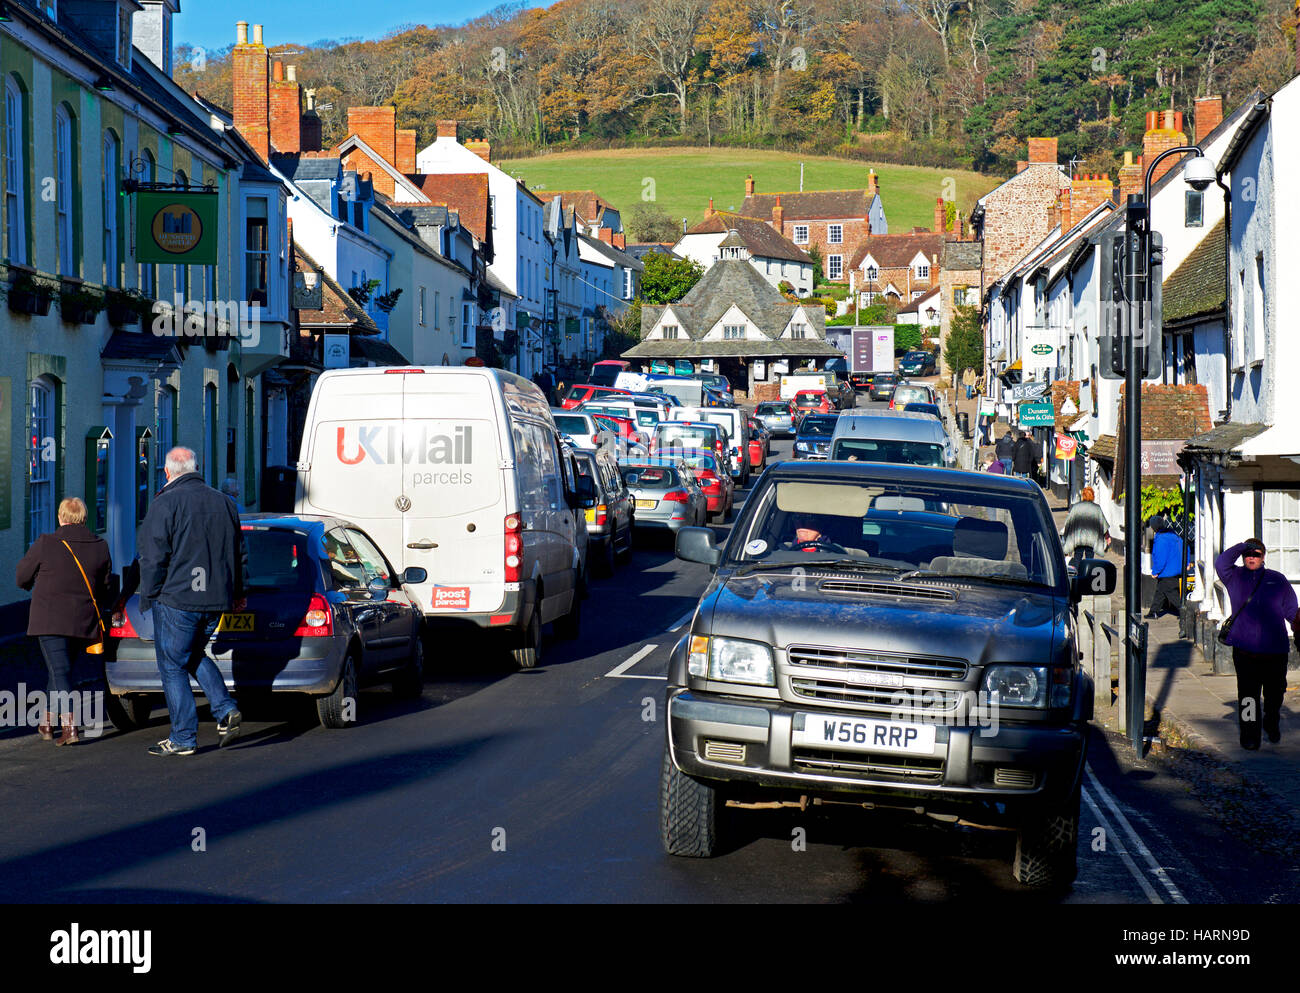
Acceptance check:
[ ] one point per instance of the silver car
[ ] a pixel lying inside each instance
(666, 492)
(776, 417)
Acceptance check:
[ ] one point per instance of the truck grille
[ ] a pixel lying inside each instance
(862, 766)
(875, 680)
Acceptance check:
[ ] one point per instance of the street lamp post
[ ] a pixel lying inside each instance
(1198, 173)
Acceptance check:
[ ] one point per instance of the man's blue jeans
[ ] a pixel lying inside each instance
(180, 637)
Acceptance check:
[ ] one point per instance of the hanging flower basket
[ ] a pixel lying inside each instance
(28, 295)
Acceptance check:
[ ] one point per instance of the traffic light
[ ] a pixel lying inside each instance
(1114, 313)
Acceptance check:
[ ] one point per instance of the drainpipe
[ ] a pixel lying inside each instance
(1227, 296)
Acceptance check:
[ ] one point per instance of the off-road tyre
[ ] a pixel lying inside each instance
(690, 813)
(1046, 847)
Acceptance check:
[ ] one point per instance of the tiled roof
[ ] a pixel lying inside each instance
(758, 236)
(467, 192)
(1103, 448)
(1225, 438)
(793, 347)
(735, 281)
(915, 306)
(962, 255)
(896, 251)
(1169, 413)
(300, 169)
(1196, 288)
(338, 308)
(829, 204)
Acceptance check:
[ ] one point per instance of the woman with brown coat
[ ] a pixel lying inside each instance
(63, 618)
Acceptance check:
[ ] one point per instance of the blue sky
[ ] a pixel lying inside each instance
(212, 25)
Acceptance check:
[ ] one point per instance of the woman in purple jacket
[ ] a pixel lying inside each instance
(1263, 601)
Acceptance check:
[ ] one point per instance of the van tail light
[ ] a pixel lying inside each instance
(676, 496)
(120, 626)
(318, 622)
(602, 514)
(514, 547)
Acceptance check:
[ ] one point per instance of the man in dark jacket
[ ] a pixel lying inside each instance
(1024, 457)
(1263, 601)
(1004, 449)
(191, 571)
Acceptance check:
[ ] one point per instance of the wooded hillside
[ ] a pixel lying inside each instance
(927, 82)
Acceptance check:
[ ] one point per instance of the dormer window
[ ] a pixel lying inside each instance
(873, 273)
(923, 272)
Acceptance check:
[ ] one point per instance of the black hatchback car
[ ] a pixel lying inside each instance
(890, 635)
(882, 386)
(326, 615)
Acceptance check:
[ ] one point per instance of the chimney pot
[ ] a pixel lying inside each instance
(257, 34)
(277, 71)
(241, 32)
(291, 73)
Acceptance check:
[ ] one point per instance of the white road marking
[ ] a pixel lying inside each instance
(618, 671)
(684, 619)
(1156, 869)
(1150, 891)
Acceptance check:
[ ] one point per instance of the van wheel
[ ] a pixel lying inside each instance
(689, 813)
(128, 713)
(339, 709)
(527, 653)
(1046, 846)
(409, 683)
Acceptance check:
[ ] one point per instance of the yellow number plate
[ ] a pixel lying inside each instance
(646, 504)
(235, 622)
(591, 515)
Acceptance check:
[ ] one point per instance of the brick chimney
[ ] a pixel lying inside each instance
(1065, 204)
(1164, 131)
(248, 65)
(1042, 150)
(483, 149)
(286, 109)
(959, 226)
(1130, 178)
(620, 240)
(310, 128)
(1209, 112)
(940, 218)
(1089, 192)
(778, 216)
(1053, 212)
(873, 184)
(606, 235)
(749, 186)
(709, 211)
(449, 129)
(405, 151)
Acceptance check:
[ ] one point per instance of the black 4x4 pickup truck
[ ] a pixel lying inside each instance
(885, 634)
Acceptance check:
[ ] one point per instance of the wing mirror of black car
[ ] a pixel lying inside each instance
(378, 588)
(1093, 577)
(415, 575)
(696, 545)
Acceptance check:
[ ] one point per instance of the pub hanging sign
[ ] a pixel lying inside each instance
(174, 228)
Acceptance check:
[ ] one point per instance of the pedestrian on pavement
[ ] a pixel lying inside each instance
(230, 487)
(986, 426)
(1005, 449)
(1024, 456)
(191, 571)
(1087, 532)
(1167, 568)
(67, 574)
(995, 466)
(1263, 601)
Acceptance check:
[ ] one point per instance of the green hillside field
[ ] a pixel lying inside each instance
(682, 179)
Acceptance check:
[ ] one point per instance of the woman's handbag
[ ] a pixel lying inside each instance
(98, 647)
(1225, 629)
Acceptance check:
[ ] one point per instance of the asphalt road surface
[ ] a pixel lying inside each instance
(541, 785)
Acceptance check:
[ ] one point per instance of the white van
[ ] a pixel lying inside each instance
(735, 422)
(456, 471)
(909, 438)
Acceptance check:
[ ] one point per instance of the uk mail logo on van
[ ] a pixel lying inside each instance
(388, 444)
(450, 598)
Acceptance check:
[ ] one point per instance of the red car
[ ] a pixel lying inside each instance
(586, 391)
(811, 402)
(759, 441)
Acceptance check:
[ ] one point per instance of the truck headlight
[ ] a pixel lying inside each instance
(1016, 685)
(732, 661)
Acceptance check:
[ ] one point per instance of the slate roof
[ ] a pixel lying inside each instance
(301, 169)
(128, 346)
(830, 204)
(896, 251)
(467, 192)
(915, 306)
(378, 351)
(1224, 438)
(793, 347)
(611, 252)
(338, 308)
(962, 255)
(762, 240)
(642, 249)
(1103, 448)
(1196, 288)
(728, 282)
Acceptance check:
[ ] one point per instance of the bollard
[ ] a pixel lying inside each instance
(1086, 621)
